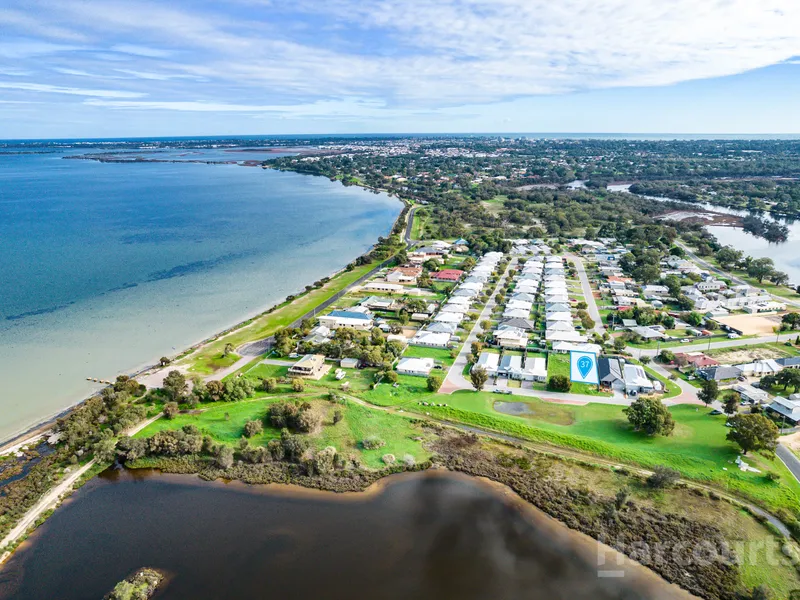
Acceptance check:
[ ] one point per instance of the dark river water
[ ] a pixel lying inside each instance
(424, 536)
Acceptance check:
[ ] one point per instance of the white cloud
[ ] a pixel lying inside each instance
(73, 91)
(140, 50)
(345, 108)
(414, 54)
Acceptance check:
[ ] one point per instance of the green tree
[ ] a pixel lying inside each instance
(732, 400)
(728, 257)
(759, 268)
(650, 416)
(478, 376)
(789, 377)
(709, 391)
(298, 385)
(228, 349)
(666, 356)
(269, 384)
(753, 433)
(175, 385)
(791, 320)
(434, 382)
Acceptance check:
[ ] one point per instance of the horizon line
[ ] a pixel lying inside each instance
(538, 134)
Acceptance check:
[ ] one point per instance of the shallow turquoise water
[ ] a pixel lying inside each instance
(105, 267)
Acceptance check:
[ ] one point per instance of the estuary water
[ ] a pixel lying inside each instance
(783, 254)
(105, 267)
(426, 536)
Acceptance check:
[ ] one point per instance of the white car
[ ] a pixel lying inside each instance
(733, 336)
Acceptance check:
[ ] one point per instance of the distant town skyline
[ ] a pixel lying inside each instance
(112, 69)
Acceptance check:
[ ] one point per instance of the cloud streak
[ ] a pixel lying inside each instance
(308, 56)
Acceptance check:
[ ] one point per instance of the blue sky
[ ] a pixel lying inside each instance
(87, 68)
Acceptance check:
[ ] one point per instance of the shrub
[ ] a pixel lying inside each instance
(388, 459)
(325, 460)
(253, 428)
(298, 385)
(372, 442)
(663, 477)
(409, 460)
(269, 384)
(225, 457)
(171, 409)
(559, 383)
(434, 383)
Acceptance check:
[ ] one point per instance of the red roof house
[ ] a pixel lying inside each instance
(448, 275)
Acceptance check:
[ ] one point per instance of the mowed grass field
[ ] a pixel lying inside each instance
(697, 448)
(225, 422)
(206, 359)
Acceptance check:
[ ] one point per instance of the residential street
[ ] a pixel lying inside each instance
(586, 287)
(455, 380)
(789, 459)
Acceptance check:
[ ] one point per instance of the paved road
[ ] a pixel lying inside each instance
(700, 346)
(51, 498)
(455, 379)
(586, 287)
(789, 459)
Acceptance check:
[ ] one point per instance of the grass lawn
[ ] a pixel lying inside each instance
(214, 422)
(225, 422)
(409, 389)
(439, 354)
(697, 448)
(558, 364)
(361, 422)
(421, 218)
(263, 371)
(203, 360)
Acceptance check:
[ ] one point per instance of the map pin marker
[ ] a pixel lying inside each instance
(585, 366)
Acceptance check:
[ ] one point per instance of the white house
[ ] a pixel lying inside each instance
(786, 409)
(511, 338)
(516, 313)
(421, 367)
(559, 316)
(522, 304)
(488, 361)
(454, 308)
(384, 286)
(449, 317)
(347, 319)
(565, 336)
(559, 326)
(636, 381)
(431, 340)
(439, 327)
